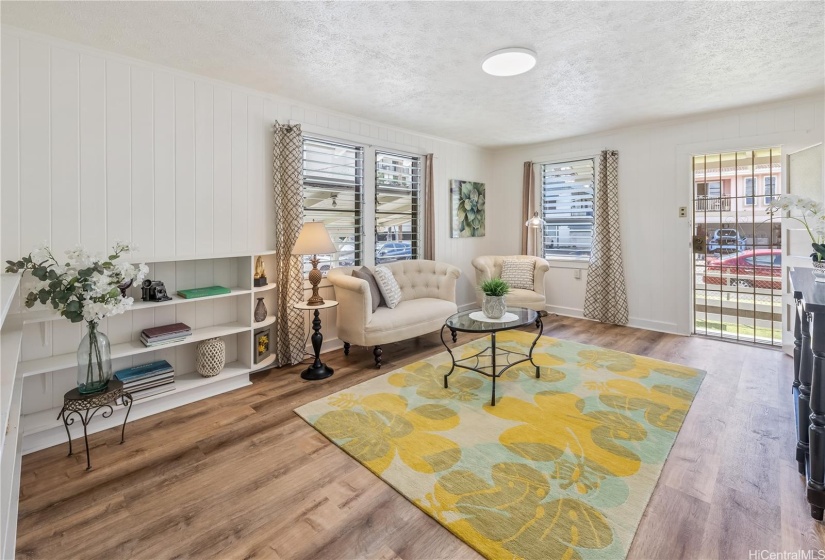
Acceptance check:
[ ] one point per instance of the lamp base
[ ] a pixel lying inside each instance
(315, 278)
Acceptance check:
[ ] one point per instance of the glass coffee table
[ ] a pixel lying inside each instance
(473, 321)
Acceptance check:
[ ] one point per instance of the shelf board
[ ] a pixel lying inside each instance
(45, 419)
(64, 361)
(151, 260)
(176, 299)
(8, 288)
(266, 288)
(265, 323)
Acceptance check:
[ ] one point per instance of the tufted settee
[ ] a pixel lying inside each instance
(428, 298)
(490, 267)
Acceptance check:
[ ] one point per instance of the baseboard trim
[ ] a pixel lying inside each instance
(635, 322)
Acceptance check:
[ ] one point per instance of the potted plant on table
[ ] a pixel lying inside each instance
(811, 214)
(492, 305)
(84, 288)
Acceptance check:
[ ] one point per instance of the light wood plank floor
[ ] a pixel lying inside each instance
(240, 475)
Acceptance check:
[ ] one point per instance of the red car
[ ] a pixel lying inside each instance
(760, 268)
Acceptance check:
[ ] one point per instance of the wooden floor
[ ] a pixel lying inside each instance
(240, 475)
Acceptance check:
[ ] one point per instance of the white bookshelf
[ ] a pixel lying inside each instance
(48, 356)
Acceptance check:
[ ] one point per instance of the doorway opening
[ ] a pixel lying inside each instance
(737, 286)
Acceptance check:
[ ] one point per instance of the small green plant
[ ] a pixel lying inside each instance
(495, 287)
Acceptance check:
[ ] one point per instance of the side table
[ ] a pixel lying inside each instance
(85, 406)
(317, 370)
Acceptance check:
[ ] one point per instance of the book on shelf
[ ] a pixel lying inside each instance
(154, 342)
(142, 394)
(166, 330)
(165, 379)
(193, 293)
(166, 334)
(143, 371)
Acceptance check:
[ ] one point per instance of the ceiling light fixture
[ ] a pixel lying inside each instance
(509, 62)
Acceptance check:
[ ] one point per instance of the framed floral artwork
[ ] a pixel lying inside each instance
(468, 215)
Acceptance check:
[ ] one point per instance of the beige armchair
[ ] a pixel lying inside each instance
(428, 298)
(490, 267)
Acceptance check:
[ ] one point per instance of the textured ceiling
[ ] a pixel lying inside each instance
(416, 65)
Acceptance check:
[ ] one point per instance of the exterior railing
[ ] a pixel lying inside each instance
(709, 204)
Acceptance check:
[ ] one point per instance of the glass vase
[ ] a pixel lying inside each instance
(94, 361)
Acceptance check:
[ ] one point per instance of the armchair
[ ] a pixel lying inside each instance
(490, 267)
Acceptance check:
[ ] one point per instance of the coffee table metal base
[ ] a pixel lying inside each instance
(494, 353)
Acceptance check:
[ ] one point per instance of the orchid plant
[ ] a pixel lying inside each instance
(809, 213)
(83, 288)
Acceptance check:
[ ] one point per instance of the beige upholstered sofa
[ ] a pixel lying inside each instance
(490, 267)
(428, 298)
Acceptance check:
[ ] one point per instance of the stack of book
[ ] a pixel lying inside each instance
(167, 334)
(147, 379)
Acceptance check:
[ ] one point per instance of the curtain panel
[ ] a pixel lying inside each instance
(428, 245)
(287, 184)
(528, 207)
(605, 297)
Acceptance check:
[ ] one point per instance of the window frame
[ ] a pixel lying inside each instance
(369, 185)
(565, 261)
(415, 215)
(769, 197)
(750, 199)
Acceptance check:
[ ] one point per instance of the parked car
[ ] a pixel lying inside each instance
(754, 268)
(726, 240)
(393, 251)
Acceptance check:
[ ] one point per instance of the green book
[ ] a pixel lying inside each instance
(203, 292)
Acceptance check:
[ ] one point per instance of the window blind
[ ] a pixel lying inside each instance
(333, 194)
(397, 194)
(567, 194)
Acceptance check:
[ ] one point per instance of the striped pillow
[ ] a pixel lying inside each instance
(518, 273)
(388, 286)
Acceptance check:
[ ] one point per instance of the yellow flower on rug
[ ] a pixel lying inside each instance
(561, 467)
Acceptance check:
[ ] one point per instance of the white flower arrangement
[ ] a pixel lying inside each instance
(807, 212)
(85, 287)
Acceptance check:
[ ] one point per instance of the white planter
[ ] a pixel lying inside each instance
(493, 306)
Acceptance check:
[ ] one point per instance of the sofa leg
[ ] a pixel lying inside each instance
(377, 353)
(346, 348)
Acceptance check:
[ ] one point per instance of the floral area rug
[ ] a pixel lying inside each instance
(562, 467)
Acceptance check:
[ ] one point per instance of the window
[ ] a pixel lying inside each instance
(333, 193)
(567, 197)
(749, 191)
(770, 189)
(760, 260)
(397, 190)
(709, 190)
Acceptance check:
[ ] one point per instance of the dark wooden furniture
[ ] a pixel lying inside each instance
(464, 321)
(86, 405)
(809, 384)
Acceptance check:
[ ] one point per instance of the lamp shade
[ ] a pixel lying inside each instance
(314, 239)
(535, 221)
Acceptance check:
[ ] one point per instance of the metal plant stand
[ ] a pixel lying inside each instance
(464, 323)
(85, 406)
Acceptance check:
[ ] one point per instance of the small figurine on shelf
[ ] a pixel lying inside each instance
(260, 273)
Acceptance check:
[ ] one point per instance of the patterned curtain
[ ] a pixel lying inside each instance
(528, 206)
(287, 174)
(428, 247)
(605, 298)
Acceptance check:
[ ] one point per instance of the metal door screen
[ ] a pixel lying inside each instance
(737, 246)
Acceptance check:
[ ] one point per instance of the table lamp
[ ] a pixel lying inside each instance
(314, 240)
(536, 223)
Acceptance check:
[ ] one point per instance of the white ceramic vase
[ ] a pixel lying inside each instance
(493, 306)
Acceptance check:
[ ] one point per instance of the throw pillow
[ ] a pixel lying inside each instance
(365, 273)
(518, 273)
(388, 286)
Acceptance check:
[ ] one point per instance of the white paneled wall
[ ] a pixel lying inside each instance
(654, 181)
(98, 148)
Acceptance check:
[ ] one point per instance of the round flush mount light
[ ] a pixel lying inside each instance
(511, 61)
